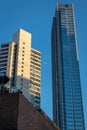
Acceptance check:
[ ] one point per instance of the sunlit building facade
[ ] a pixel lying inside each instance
(16, 61)
(35, 77)
(67, 95)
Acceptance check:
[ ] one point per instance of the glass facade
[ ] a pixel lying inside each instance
(67, 97)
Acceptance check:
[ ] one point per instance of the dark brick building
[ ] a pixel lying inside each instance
(17, 113)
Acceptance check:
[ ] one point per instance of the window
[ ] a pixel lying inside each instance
(23, 42)
(4, 45)
(2, 50)
(21, 79)
(2, 65)
(4, 53)
(3, 69)
(3, 57)
(22, 70)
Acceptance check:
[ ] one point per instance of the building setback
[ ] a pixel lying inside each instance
(17, 113)
(67, 95)
(22, 64)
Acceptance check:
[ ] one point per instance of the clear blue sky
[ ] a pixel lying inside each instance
(35, 16)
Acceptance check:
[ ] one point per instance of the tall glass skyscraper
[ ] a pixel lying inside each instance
(67, 95)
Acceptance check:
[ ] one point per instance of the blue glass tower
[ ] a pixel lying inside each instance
(67, 96)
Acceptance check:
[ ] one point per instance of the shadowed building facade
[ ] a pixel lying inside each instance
(22, 64)
(17, 113)
(67, 95)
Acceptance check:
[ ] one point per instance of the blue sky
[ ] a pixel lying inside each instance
(35, 16)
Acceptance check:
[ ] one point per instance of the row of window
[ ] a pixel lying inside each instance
(2, 65)
(4, 45)
(3, 53)
(33, 59)
(3, 69)
(35, 63)
(37, 84)
(38, 57)
(4, 49)
(3, 57)
(34, 52)
(34, 75)
(32, 78)
(35, 67)
(22, 70)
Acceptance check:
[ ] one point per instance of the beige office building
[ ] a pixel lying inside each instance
(22, 64)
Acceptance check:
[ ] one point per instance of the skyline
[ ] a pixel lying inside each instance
(27, 15)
